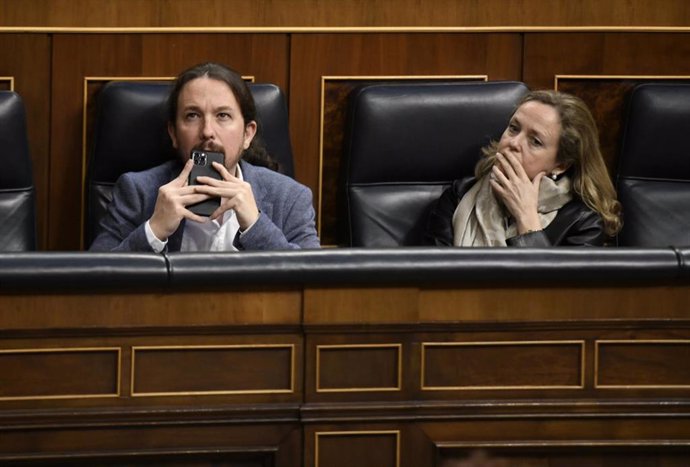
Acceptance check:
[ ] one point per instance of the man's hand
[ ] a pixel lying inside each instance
(172, 202)
(235, 194)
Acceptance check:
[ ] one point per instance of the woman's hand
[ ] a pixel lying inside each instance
(519, 194)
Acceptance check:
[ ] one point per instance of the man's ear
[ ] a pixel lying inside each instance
(249, 133)
(173, 135)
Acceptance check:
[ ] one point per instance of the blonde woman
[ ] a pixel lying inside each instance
(544, 183)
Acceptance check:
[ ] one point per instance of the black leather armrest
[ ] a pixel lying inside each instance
(461, 267)
(81, 272)
(684, 261)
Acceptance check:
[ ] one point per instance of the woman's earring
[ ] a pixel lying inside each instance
(553, 176)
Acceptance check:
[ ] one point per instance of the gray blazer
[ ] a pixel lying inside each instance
(286, 219)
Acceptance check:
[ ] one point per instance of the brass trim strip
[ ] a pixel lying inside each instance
(290, 390)
(10, 79)
(357, 433)
(322, 112)
(338, 29)
(118, 376)
(632, 341)
(423, 387)
(556, 78)
(398, 347)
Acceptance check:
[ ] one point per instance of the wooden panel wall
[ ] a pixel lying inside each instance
(301, 64)
(343, 13)
(410, 376)
(530, 40)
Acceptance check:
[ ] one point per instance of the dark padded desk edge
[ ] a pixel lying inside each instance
(98, 272)
(455, 266)
(81, 271)
(684, 261)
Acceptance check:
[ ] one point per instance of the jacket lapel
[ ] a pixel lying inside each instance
(250, 175)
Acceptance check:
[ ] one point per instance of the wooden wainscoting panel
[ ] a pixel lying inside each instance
(216, 443)
(358, 367)
(355, 363)
(652, 364)
(59, 373)
(448, 366)
(629, 431)
(208, 370)
(585, 453)
(363, 448)
(597, 53)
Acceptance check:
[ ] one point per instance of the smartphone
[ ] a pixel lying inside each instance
(203, 166)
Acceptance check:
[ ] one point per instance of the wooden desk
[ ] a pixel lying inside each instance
(341, 373)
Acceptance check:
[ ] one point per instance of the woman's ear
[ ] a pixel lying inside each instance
(560, 168)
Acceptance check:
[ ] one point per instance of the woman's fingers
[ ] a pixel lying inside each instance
(511, 165)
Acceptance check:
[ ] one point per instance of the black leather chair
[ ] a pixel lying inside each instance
(17, 198)
(130, 134)
(653, 177)
(405, 143)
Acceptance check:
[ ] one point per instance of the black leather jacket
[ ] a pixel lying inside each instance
(574, 225)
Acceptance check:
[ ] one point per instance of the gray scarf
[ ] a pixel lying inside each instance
(481, 220)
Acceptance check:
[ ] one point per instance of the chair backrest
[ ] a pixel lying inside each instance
(130, 134)
(653, 177)
(17, 197)
(406, 143)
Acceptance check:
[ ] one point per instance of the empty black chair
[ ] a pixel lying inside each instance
(17, 198)
(406, 143)
(130, 134)
(653, 177)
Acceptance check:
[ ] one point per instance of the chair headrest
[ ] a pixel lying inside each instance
(658, 118)
(424, 132)
(274, 130)
(131, 134)
(14, 145)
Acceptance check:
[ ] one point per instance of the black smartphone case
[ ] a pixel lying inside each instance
(205, 208)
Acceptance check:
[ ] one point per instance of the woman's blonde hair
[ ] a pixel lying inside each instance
(578, 149)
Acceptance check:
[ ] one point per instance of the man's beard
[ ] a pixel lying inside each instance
(208, 146)
(211, 146)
